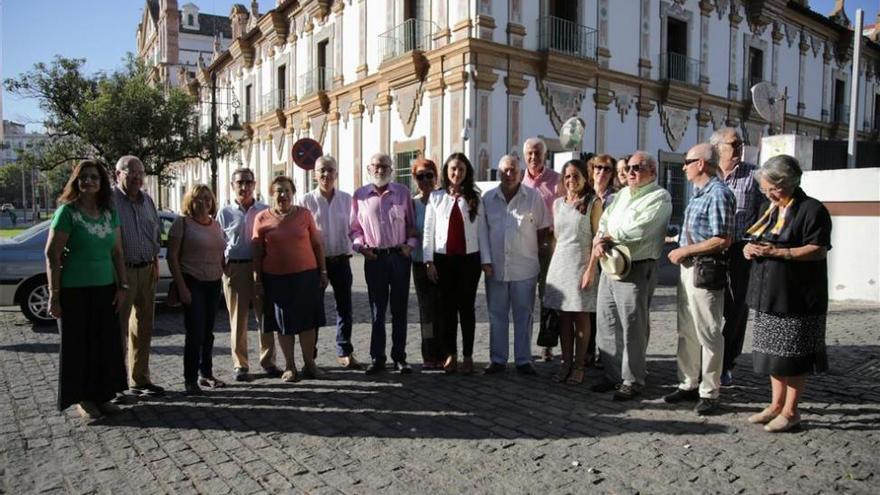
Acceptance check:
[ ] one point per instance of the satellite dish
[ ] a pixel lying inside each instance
(769, 103)
(571, 134)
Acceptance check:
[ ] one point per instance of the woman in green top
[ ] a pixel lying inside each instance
(86, 272)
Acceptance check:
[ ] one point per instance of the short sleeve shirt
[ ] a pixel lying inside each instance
(287, 241)
(710, 213)
(513, 232)
(201, 250)
(88, 255)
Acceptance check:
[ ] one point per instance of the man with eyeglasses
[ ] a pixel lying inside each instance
(637, 219)
(706, 232)
(237, 222)
(737, 175)
(383, 231)
(332, 209)
(139, 225)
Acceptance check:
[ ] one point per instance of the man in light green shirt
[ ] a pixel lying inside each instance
(637, 218)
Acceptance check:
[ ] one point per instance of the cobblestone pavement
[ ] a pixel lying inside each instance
(429, 433)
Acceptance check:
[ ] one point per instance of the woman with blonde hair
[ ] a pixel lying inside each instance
(196, 249)
(291, 272)
(87, 285)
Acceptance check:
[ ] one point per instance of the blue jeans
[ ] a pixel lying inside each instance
(502, 298)
(388, 276)
(198, 319)
(339, 275)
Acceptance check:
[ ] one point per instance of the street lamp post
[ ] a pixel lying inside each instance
(214, 133)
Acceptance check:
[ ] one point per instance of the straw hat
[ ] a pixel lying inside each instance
(617, 261)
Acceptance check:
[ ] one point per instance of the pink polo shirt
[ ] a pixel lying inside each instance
(548, 185)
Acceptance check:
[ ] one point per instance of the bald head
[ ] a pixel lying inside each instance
(704, 151)
(130, 174)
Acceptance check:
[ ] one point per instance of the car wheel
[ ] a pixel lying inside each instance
(35, 301)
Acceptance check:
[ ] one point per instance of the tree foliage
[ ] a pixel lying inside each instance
(105, 116)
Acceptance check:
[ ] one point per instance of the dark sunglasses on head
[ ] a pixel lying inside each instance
(425, 176)
(602, 168)
(638, 167)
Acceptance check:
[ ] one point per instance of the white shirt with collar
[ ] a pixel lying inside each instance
(332, 219)
(512, 232)
(436, 230)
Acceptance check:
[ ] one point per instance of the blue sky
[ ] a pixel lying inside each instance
(102, 31)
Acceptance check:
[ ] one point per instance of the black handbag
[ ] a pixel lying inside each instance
(548, 335)
(710, 272)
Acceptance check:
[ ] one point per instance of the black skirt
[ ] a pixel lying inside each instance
(92, 367)
(293, 303)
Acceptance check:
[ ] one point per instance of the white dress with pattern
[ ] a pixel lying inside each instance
(574, 238)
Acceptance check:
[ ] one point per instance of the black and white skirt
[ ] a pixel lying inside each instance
(789, 345)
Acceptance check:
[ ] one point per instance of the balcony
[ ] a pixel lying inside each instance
(317, 80)
(411, 35)
(841, 114)
(566, 37)
(678, 67)
(274, 100)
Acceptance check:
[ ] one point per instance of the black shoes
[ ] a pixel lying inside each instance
(191, 389)
(375, 367)
(626, 392)
(148, 390)
(706, 407)
(273, 372)
(526, 369)
(682, 396)
(604, 385)
(402, 367)
(494, 368)
(241, 375)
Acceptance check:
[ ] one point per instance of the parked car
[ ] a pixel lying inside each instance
(23, 279)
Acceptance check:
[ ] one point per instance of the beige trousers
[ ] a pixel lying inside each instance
(238, 287)
(137, 325)
(700, 337)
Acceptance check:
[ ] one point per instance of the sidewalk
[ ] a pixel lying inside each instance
(429, 433)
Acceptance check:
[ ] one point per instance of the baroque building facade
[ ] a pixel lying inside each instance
(429, 77)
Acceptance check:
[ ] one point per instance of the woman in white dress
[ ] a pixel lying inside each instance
(571, 287)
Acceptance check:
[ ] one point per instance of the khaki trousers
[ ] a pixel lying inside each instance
(238, 287)
(700, 336)
(137, 325)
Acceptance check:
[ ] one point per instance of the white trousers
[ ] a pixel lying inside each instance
(700, 337)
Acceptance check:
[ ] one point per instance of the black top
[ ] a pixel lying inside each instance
(793, 287)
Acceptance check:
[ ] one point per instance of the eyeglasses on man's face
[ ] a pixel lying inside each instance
(691, 160)
(635, 168)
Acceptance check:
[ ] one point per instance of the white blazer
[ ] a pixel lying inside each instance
(437, 227)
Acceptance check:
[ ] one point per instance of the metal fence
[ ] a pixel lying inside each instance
(678, 67)
(412, 34)
(841, 114)
(274, 100)
(563, 36)
(318, 79)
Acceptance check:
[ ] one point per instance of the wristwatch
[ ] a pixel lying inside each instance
(123, 286)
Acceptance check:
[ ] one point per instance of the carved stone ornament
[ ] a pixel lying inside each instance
(409, 102)
(719, 118)
(816, 45)
(319, 127)
(721, 8)
(278, 141)
(560, 102)
(623, 101)
(675, 123)
(791, 34)
(370, 97)
(757, 29)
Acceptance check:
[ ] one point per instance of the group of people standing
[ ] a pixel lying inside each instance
(587, 239)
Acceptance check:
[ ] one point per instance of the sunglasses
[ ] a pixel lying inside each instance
(602, 168)
(638, 167)
(89, 177)
(691, 160)
(425, 176)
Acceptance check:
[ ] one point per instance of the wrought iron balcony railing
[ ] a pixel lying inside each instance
(317, 79)
(841, 114)
(412, 34)
(274, 100)
(563, 36)
(677, 67)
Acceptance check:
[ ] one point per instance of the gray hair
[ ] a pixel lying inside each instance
(382, 158)
(242, 170)
(783, 171)
(535, 141)
(125, 162)
(513, 159)
(647, 159)
(326, 160)
(708, 153)
(718, 136)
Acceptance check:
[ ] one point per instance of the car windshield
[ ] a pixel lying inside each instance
(36, 229)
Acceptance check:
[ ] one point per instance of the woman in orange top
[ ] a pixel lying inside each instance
(289, 270)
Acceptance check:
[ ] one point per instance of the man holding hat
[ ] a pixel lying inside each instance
(629, 243)
(706, 232)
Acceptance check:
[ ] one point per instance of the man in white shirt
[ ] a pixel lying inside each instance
(332, 209)
(517, 221)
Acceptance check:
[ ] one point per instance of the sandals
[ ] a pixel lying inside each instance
(576, 377)
(290, 376)
(211, 382)
(449, 367)
(563, 373)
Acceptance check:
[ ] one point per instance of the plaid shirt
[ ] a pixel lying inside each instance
(709, 213)
(748, 197)
(139, 224)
